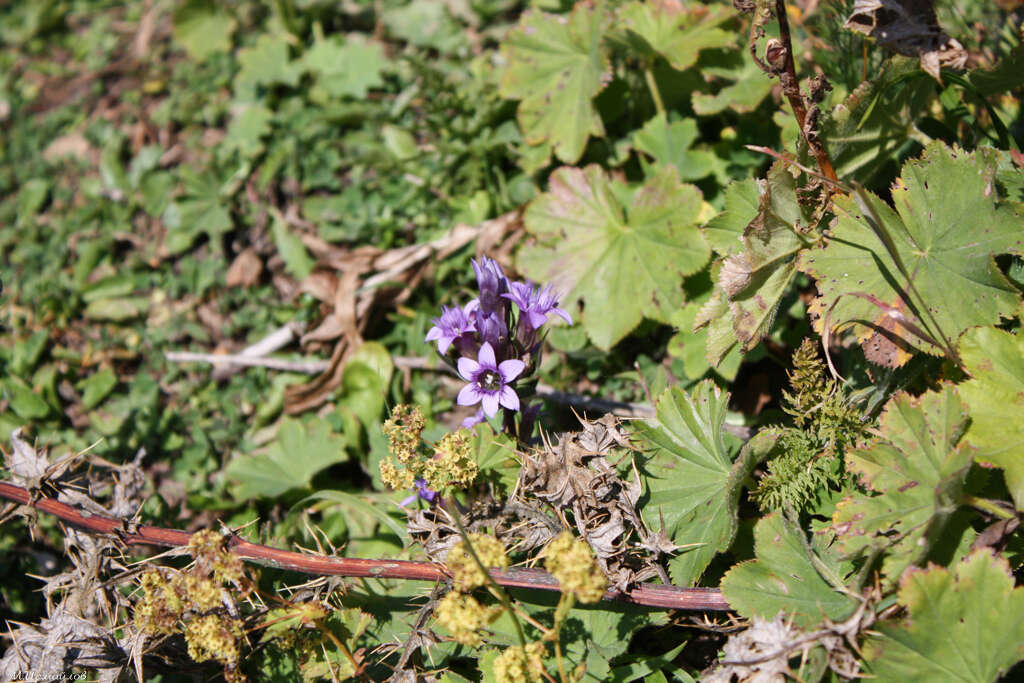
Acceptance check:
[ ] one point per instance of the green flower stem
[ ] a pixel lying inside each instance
(565, 604)
(496, 590)
(989, 506)
(652, 85)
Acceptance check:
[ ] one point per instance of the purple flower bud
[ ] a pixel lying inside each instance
(492, 283)
(422, 491)
(535, 304)
(488, 381)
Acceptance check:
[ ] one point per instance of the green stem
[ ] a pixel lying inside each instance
(989, 506)
(493, 586)
(652, 85)
(565, 604)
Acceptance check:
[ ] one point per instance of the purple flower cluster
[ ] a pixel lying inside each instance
(493, 340)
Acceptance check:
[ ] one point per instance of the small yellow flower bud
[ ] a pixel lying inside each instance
(465, 572)
(520, 665)
(572, 563)
(464, 617)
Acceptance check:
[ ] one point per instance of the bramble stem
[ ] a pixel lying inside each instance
(791, 89)
(129, 533)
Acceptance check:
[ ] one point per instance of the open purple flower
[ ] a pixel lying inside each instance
(535, 304)
(453, 323)
(488, 381)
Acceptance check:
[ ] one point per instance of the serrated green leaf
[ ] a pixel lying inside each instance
(756, 278)
(995, 394)
(676, 32)
(349, 68)
(946, 230)
(669, 144)
(247, 130)
(747, 85)
(693, 486)
(201, 211)
(300, 450)
(623, 263)
(724, 231)
(962, 625)
(202, 28)
(267, 62)
(555, 68)
(783, 578)
(915, 474)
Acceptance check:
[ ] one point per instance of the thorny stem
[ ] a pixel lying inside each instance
(128, 533)
(493, 586)
(652, 85)
(791, 89)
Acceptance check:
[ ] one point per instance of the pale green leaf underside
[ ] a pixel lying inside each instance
(783, 579)
(964, 625)
(995, 395)
(555, 67)
(622, 262)
(946, 229)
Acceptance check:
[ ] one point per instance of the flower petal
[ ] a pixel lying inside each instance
(536, 318)
(469, 369)
(486, 356)
(473, 420)
(508, 398)
(433, 333)
(470, 395)
(490, 403)
(510, 369)
(562, 314)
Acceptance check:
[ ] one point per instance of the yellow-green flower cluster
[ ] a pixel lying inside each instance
(213, 558)
(196, 602)
(158, 610)
(465, 617)
(572, 563)
(213, 636)
(404, 429)
(520, 665)
(451, 464)
(466, 573)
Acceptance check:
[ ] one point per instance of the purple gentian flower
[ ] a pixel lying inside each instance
(453, 323)
(422, 491)
(488, 381)
(535, 304)
(492, 283)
